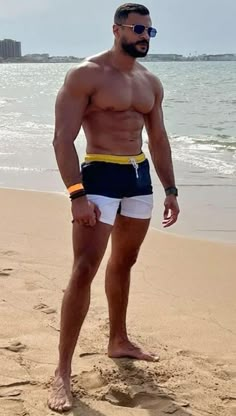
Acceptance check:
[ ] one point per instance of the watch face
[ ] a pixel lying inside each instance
(172, 191)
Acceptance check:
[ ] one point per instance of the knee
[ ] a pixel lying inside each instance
(126, 261)
(83, 272)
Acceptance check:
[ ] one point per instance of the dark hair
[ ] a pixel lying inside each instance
(123, 11)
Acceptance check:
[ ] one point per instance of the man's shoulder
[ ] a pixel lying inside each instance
(154, 80)
(149, 74)
(86, 73)
(99, 59)
(86, 67)
(90, 64)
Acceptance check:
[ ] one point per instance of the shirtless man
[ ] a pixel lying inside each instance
(113, 97)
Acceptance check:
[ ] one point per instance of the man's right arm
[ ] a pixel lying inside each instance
(71, 103)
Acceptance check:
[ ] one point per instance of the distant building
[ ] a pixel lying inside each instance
(36, 57)
(162, 57)
(221, 57)
(10, 49)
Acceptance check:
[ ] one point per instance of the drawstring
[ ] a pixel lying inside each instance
(135, 165)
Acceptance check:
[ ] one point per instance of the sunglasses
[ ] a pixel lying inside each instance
(139, 29)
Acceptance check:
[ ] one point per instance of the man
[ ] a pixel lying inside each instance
(113, 97)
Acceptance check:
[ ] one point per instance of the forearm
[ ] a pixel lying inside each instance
(68, 162)
(162, 160)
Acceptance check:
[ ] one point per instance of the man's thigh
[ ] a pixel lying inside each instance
(89, 243)
(127, 236)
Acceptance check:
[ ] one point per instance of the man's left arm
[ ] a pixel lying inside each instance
(160, 151)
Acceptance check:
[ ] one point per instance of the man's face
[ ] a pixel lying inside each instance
(133, 44)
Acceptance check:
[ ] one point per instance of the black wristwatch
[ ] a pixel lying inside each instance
(172, 190)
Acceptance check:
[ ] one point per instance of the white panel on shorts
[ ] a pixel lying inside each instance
(134, 207)
(139, 206)
(108, 207)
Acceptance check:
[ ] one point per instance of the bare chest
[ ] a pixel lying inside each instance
(119, 92)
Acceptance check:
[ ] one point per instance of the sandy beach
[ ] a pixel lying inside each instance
(182, 306)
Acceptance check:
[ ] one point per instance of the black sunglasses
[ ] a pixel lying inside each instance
(139, 29)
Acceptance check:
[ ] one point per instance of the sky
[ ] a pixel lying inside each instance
(84, 27)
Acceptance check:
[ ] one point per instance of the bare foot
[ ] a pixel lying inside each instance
(60, 398)
(125, 348)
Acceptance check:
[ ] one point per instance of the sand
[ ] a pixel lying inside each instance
(182, 306)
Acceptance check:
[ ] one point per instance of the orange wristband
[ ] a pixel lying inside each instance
(76, 187)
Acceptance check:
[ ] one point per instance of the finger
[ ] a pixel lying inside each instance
(170, 218)
(97, 212)
(167, 218)
(79, 222)
(166, 212)
(92, 220)
(75, 221)
(170, 222)
(85, 222)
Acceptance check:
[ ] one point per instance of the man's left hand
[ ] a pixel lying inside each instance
(171, 211)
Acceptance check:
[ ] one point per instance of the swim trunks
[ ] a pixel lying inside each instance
(118, 184)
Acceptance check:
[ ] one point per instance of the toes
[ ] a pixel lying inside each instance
(51, 404)
(61, 406)
(145, 357)
(64, 408)
(151, 357)
(133, 352)
(67, 407)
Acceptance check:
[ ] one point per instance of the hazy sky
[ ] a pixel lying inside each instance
(84, 27)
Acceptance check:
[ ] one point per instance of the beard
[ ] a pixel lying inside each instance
(131, 50)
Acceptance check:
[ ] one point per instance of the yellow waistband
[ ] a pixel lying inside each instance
(124, 160)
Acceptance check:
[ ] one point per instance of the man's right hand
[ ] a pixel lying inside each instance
(85, 212)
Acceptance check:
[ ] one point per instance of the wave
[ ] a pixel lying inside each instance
(223, 141)
(26, 169)
(217, 153)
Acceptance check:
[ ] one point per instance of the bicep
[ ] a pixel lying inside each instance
(69, 113)
(154, 121)
(71, 103)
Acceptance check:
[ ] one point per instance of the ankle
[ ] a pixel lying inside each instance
(118, 338)
(63, 372)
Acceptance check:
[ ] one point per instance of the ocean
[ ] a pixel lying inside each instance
(199, 112)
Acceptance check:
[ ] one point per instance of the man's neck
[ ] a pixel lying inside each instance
(121, 61)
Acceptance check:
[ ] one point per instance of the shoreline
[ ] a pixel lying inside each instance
(182, 233)
(155, 58)
(206, 204)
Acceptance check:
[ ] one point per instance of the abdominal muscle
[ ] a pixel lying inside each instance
(113, 132)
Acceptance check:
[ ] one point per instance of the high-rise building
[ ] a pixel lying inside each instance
(10, 49)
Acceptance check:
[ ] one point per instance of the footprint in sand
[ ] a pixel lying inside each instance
(9, 253)
(5, 272)
(90, 380)
(143, 400)
(217, 370)
(88, 354)
(14, 347)
(44, 308)
(230, 404)
(10, 393)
